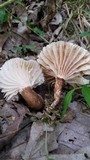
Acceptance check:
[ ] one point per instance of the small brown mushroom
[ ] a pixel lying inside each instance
(21, 76)
(64, 61)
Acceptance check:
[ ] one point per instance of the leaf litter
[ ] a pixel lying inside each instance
(23, 133)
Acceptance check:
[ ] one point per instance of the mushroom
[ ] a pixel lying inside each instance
(64, 62)
(21, 76)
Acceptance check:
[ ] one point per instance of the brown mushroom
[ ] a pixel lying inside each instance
(64, 62)
(21, 76)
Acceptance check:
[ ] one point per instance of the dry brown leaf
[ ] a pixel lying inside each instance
(13, 114)
(3, 38)
(37, 141)
(51, 9)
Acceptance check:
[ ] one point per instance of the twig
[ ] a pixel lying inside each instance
(6, 3)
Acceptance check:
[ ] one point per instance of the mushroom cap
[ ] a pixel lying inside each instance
(17, 74)
(66, 61)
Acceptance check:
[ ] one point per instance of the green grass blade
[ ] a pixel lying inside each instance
(86, 94)
(83, 34)
(39, 31)
(87, 12)
(67, 101)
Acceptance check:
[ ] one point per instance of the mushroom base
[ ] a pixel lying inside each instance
(33, 100)
(57, 91)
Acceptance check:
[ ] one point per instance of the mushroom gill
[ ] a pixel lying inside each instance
(64, 62)
(21, 76)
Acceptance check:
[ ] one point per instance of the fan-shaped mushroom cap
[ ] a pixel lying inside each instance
(17, 74)
(66, 61)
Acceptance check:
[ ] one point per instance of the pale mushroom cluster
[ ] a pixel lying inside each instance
(20, 76)
(64, 61)
(59, 62)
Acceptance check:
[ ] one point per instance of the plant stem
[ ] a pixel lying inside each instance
(46, 142)
(6, 3)
(37, 34)
(57, 92)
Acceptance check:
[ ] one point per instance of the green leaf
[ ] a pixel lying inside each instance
(87, 12)
(28, 46)
(4, 15)
(86, 94)
(39, 31)
(84, 34)
(17, 49)
(18, 1)
(67, 101)
(23, 48)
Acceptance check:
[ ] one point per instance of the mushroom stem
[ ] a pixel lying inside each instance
(57, 91)
(33, 100)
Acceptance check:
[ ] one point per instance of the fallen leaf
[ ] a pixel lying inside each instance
(3, 38)
(38, 141)
(57, 19)
(13, 114)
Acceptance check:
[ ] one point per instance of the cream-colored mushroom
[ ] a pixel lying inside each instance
(21, 76)
(64, 61)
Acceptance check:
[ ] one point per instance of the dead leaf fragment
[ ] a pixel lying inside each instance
(3, 38)
(36, 145)
(13, 120)
(51, 9)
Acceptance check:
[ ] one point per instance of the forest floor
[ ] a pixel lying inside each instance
(26, 27)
